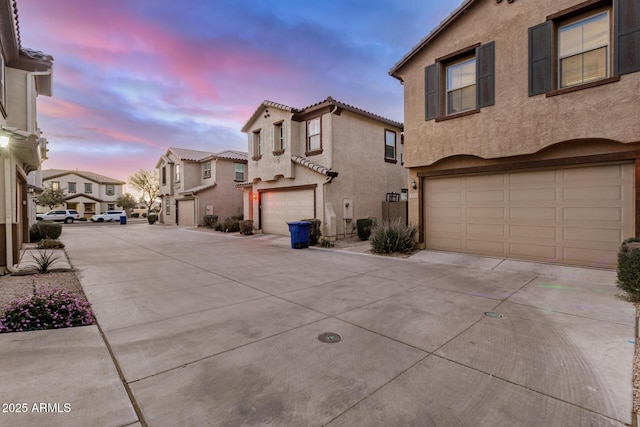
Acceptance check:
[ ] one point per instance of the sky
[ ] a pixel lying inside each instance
(132, 78)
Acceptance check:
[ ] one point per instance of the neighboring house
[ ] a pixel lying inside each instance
(24, 74)
(522, 130)
(197, 183)
(87, 192)
(329, 161)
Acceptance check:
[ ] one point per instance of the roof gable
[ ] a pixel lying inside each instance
(48, 174)
(266, 104)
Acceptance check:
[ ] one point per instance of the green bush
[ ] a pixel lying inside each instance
(49, 230)
(393, 237)
(210, 220)
(364, 228)
(629, 268)
(246, 227)
(231, 225)
(50, 244)
(34, 233)
(44, 260)
(218, 227)
(152, 218)
(135, 215)
(238, 217)
(314, 231)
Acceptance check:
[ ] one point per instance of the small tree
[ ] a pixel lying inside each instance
(51, 197)
(147, 183)
(126, 201)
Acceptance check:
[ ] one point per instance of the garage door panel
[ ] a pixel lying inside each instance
(609, 192)
(532, 250)
(617, 172)
(532, 178)
(484, 181)
(593, 257)
(532, 194)
(593, 235)
(485, 229)
(484, 196)
(445, 243)
(612, 214)
(536, 213)
(445, 212)
(485, 213)
(532, 232)
(444, 227)
(487, 246)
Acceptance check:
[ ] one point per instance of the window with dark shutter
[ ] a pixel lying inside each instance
(485, 75)
(432, 91)
(627, 36)
(540, 59)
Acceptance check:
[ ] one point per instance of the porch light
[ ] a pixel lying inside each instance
(414, 184)
(4, 141)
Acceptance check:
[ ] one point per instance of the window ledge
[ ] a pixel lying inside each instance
(278, 152)
(455, 116)
(582, 86)
(256, 158)
(313, 153)
(390, 160)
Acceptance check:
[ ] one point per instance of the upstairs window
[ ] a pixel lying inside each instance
(461, 86)
(71, 187)
(239, 167)
(177, 173)
(88, 187)
(279, 138)
(256, 144)
(206, 168)
(110, 190)
(314, 136)
(164, 175)
(55, 185)
(389, 146)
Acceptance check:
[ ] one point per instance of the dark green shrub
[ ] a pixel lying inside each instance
(246, 227)
(238, 217)
(393, 237)
(135, 215)
(629, 268)
(218, 227)
(325, 243)
(314, 230)
(50, 244)
(231, 225)
(210, 220)
(49, 230)
(364, 228)
(152, 218)
(34, 233)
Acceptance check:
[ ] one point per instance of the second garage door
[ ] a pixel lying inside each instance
(280, 207)
(186, 216)
(576, 216)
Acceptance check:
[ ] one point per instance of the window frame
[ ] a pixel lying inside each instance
(456, 64)
(71, 187)
(88, 188)
(244, 172)
(257, 144)
(206, 170)
(310, 151)
(279, 138)
(111, 206)
(55, 185)
(176, 173)
(387, 158)
(164, 175)
(110, 189)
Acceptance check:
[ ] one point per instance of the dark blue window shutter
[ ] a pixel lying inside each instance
(540, 63)
(432, 91)
(485, 71)
(627, 36)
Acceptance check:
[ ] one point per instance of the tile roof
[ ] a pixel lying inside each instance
(314, 166)
(101, 179)
(187, 154)
(232, 155)
(264, 104)
(198, 188)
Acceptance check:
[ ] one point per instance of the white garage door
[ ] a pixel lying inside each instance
(186, 209)
(574, 216)
(280, 207)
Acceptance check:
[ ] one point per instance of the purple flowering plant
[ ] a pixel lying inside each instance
(47, 308)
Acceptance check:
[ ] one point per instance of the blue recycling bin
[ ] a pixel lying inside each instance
(299, 234)
(123, 219)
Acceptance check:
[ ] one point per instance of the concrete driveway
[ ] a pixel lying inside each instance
(212, 329)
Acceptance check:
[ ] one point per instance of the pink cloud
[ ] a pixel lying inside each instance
(55, 107)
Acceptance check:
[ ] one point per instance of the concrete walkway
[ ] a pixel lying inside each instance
(212, 329)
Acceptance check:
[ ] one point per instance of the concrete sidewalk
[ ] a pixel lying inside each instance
(212, 329)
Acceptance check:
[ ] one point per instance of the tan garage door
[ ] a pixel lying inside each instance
(574, 216)
(186, 209)
(280, 207)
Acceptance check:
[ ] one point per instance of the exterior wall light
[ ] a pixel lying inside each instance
(4, 141)
(414, 184)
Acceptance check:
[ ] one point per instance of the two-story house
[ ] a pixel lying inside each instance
(522, 130)
(87, 192)
(24, 74)
(329, 161)
(197, 183)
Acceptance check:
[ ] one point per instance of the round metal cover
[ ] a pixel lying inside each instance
(493, 314)
(329, 337)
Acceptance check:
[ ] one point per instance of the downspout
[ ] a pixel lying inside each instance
(7, 214)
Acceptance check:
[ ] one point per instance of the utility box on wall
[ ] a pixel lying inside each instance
(347, 208)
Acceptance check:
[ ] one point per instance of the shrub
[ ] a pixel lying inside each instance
(364, 228)
(34, 233)
(44, 260)
(47, 308)
(218, 227)
(49, 230)
(152, 218)
(231, 225)
(314, 230)
(393, 237)
(246, 227)
(238, 217)
(629, 268)
(50, 244)
(135, 215)
(325, 243)
(210, 220)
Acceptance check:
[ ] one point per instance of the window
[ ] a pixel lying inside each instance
(177, 173)
(583, 50)
(256, 144)
(314, 136)
(167, 204)
(207, 170)
(88, 187)
(239, 171)
(390, 146)
(110, 190)
(468, 83)
(55, 185)
(111, 206)
(71, 187)
(164, 175)
(279, 138)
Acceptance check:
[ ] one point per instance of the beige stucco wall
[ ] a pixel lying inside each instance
(271, 167)
(517, 124)
(16, 104)
(224, 199)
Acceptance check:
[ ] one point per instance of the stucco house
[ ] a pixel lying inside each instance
(24, 74)
(329, 161)
(197, 183)
(87, 192)
(522, 130)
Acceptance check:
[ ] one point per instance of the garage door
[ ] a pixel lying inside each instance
(280, 207)
(186, 209)
(574, 216)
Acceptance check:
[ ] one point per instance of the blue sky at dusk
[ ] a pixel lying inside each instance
(132, 78)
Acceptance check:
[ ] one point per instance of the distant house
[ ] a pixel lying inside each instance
(197, 183)
(87, 192)
(523, 130)
(329, 161)
(24, 74)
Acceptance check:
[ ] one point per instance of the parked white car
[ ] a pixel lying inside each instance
(66, 215)
(108, 216)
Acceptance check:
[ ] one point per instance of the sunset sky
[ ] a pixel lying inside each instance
(132, 78)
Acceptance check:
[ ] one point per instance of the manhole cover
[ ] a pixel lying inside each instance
(493, 314)
(329, 337)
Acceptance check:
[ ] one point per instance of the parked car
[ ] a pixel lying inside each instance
(108, 216)
(66, 215)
